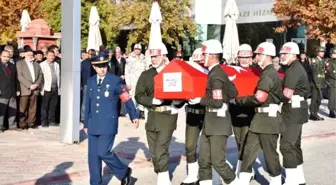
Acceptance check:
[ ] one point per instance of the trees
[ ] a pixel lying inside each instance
(52, 13)
(10, 16)
(175, 24)
(114, 17)
(319, 16)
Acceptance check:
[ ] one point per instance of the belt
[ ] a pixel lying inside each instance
(224, 107)
(195, 111)
(296, 100)
(272, 110)
(161, 109)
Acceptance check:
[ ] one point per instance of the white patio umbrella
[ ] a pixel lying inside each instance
(231, 39)
(155, 38)
(94, 40)
(155, 18)
(24, 23)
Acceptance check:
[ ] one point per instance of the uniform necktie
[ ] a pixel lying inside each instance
(99, 82)
(8, 69)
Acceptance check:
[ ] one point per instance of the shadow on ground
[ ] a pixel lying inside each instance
(58, 174)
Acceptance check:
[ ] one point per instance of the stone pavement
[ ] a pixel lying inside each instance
(317, 168)
(37, 156)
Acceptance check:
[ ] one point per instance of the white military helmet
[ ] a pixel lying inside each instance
(160, 50)
(197, 54)
(212, 46)
(245, 50)
(266, 48)
(291, 48)
(164, 50)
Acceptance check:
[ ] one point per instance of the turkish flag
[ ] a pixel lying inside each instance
(245, 79)
(180, 80)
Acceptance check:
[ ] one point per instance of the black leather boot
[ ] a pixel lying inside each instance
(332, 114)
(313, 117)
(192, 183)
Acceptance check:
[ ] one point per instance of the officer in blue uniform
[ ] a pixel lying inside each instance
(101, 121)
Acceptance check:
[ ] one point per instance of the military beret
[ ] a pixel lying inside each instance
(101, 59)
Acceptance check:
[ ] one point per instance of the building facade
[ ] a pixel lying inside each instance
(255, 24)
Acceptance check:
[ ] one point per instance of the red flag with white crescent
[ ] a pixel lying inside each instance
(245, 79)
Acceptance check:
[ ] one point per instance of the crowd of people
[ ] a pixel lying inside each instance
(33, 77)
(30, 87)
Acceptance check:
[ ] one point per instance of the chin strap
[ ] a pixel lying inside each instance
(206, 59)
(287, 60)
(260, 63)
(161, 62)
(160, 66)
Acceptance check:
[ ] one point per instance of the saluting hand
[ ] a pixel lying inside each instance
(136, 123)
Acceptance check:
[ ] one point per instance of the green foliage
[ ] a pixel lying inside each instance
(52, 12)
(10, 15)
(318, 15)
(175, 26)
(114, 17)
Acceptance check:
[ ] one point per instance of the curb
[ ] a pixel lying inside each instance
(138, 162)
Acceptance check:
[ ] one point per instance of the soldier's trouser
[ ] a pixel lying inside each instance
(290, 146)
(315, 100)
(240, 136)
(158, 142)
(266, 142)
(332, 98)
(100, 148)
(191, 138)
(212, 154)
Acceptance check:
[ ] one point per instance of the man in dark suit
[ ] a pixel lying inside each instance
(87, 71)
(117, 64)
(117, 67)
(101, 121)
(7, 92)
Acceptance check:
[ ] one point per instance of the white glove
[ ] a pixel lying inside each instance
(194, 101)
(156, 101)
(233, 101)
(176, 102)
